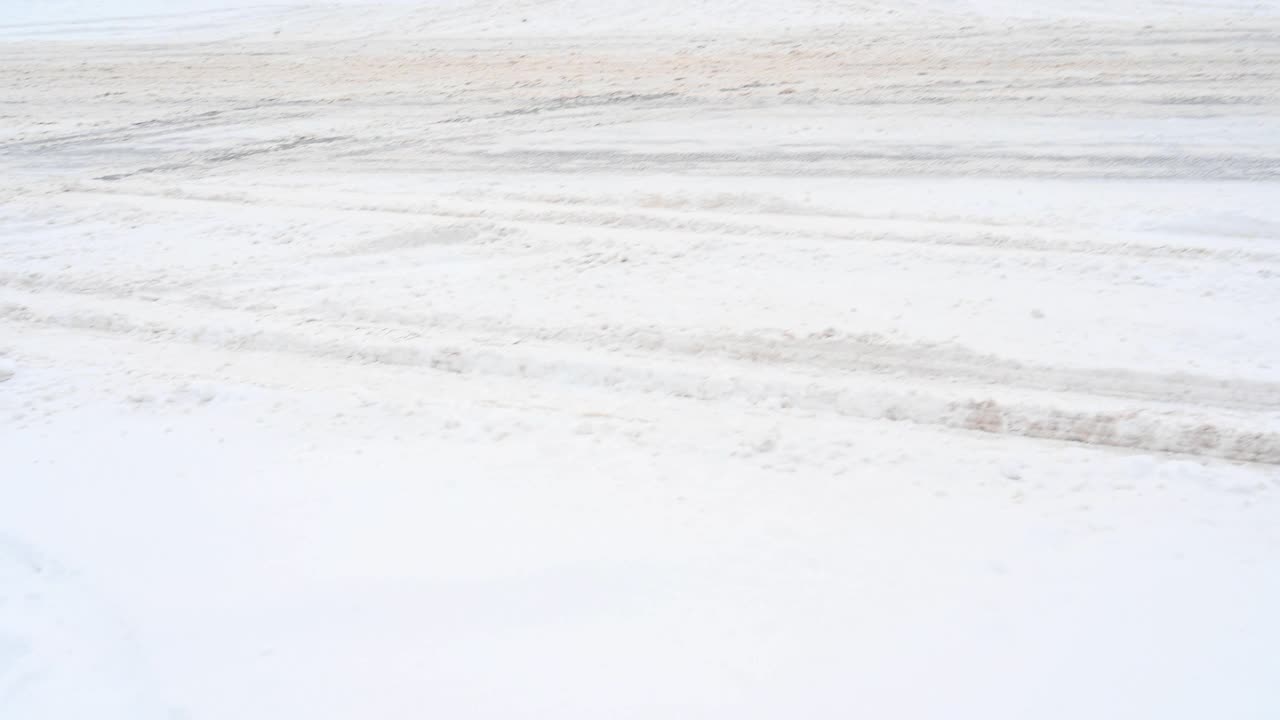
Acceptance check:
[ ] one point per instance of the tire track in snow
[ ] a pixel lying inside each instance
(671, 220)
(828, 350)
(925, 397)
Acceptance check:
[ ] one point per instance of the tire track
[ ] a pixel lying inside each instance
(554, 214)
(827, 350)
(922, 396)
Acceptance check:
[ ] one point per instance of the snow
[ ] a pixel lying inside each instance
(615, 359)
(347, 19)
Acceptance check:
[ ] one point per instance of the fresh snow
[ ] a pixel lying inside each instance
(606, 358)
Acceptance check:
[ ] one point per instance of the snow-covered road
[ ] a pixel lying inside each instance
(670, 359)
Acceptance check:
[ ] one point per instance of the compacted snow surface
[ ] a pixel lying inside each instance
(621, 359)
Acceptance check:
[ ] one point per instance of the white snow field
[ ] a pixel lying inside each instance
(640, 359)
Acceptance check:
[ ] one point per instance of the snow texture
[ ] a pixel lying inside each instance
(607, 358)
